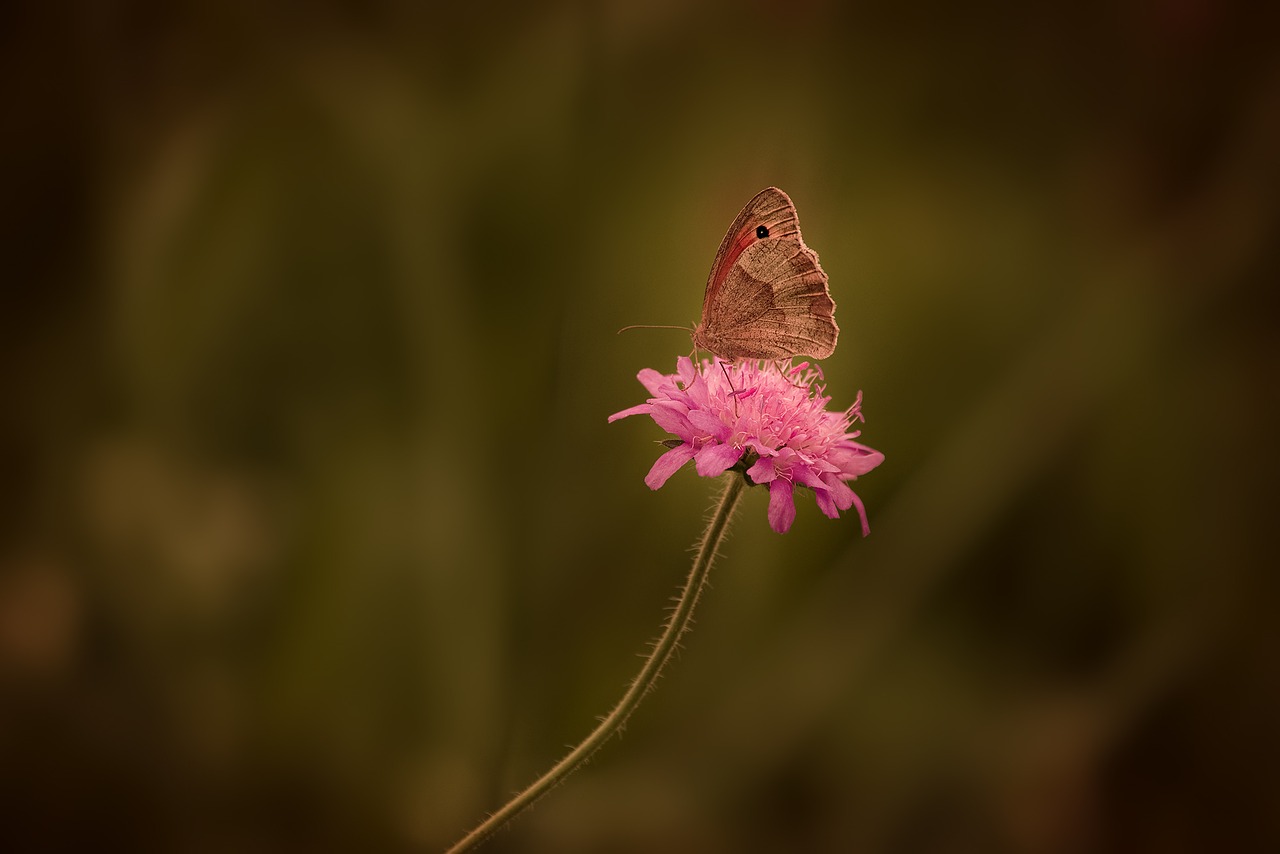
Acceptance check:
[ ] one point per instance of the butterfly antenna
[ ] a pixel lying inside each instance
(653, 326)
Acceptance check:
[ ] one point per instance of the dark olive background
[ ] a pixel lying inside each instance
(314, 536)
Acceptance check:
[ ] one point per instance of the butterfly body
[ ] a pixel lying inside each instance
(767, 296)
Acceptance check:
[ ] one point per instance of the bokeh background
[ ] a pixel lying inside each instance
(314, 534)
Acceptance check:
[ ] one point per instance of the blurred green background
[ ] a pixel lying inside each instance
(314, 534)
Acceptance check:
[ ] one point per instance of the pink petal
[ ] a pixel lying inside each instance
(667, 465)
(840, 491)
(826, 503)
(715, 458)
(652, 380)
(806, 476)
(855, 459)
(698, 390)
(862, 511)
(707, 423)
(685, 369)
(672, 418)
(641, 409)
(782, 507)
(762, 471)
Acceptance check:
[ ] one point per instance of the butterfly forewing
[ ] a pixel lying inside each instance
(772, 209)
(767, 297)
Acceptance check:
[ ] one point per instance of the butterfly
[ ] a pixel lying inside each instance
(766, 297)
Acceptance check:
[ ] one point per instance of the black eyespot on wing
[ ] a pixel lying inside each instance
(762, 232)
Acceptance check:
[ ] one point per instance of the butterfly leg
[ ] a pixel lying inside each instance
(788, 370)
(733, 392)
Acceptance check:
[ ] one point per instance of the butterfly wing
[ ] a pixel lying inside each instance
(767, 296)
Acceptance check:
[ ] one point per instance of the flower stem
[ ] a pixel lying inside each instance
(678, 623)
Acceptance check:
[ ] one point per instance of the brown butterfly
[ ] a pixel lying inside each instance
(767, 296)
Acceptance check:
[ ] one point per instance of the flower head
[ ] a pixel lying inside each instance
(767, 419)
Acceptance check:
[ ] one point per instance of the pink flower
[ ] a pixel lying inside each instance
(765, 419)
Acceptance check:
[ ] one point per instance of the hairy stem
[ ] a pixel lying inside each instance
(678, 623)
